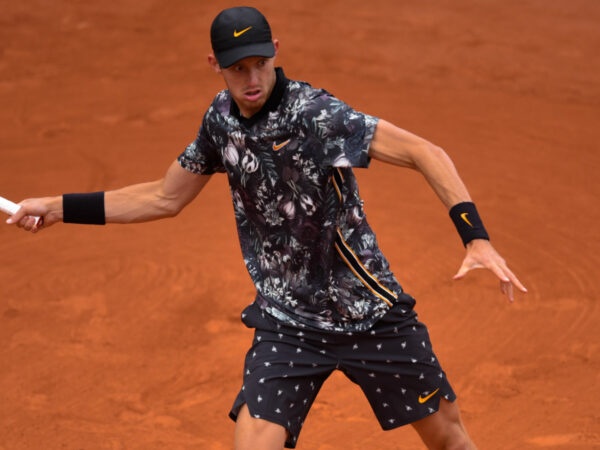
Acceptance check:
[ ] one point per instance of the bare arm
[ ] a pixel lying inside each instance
(154, 200)
(400, 147)
(135, 203)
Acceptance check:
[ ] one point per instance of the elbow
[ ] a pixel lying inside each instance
(430, 154)
(171, 209)
(435, 150)
(168, 207)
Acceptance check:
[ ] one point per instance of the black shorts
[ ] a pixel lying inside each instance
(393, 363)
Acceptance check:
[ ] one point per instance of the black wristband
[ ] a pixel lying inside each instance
(84, 208)
(467, 222)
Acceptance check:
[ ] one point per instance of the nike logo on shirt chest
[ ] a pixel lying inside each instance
(278, 145)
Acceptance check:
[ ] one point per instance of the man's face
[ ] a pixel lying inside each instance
(250, 82)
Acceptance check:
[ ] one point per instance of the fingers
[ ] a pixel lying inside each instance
(508, 280)
(16, 217)
(461, 273)
(465, 269)
(27, 222)
(509, 277)
(507, 289)
(37, 224)
(29, 215)
(515, 281)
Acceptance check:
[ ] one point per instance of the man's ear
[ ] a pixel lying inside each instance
(212, 61)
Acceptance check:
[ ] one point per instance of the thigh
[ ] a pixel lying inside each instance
(397, 369)
(282, 375)
(252, 433)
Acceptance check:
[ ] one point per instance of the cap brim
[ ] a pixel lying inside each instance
(230, 57)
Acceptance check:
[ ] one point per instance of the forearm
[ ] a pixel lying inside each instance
(153, 200)
(140, 203)
(396, 146)
(439, 171)
(400, 147)
(134, 203)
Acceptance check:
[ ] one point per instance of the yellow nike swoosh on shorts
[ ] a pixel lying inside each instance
(427, 397)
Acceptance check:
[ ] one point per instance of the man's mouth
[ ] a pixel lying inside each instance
(253, 95)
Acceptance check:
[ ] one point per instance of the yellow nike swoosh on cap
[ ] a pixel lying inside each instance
(239, 33)
(463, 216)
(427, 397)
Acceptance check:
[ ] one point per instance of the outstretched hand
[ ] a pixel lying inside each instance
(25, 217)
(481, 255)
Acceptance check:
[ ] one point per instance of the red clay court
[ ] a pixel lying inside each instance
(128, 337)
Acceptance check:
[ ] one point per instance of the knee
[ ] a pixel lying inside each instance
(460, 442)
(252, 433)
(455, 436)
(453, 439)
(444, 430)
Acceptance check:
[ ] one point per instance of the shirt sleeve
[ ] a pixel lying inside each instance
(202, 156)
(345, 134)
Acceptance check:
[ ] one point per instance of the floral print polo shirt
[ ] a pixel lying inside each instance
(304, 236)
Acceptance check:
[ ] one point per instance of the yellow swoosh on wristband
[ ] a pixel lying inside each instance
(463, 216)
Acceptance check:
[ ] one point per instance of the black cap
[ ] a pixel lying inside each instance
(237, 33)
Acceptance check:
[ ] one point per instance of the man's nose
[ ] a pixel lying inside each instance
(253, 75)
